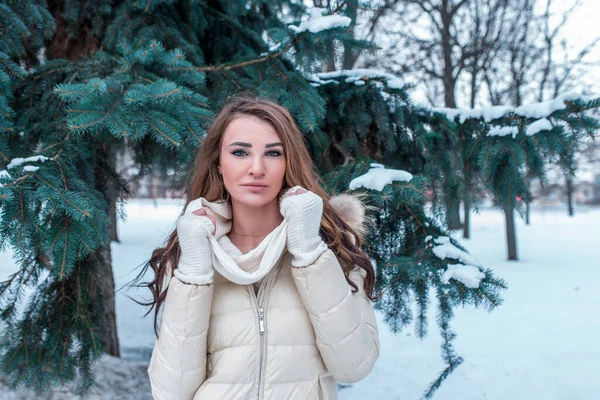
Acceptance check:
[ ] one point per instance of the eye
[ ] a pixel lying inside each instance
(274, 153)
(236, 153)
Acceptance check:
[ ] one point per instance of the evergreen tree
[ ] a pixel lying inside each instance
(504, 147)
(81, 79)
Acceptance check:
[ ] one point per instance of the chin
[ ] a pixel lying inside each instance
(254, 200)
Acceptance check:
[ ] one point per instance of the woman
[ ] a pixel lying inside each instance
(270, 297)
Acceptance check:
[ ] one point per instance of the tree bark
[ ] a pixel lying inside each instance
(511, 236)
(467, 201)
(453, 211)
(112, 214)
(448, 76)
(349, 56)
(570, 196)
(527, 200)
(103, 288)
(467, 218)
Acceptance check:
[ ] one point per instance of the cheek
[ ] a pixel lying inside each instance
(229, 167)
(283, 168)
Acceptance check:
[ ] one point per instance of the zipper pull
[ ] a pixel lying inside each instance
(261, 321)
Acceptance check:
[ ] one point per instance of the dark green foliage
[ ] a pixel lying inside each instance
(150, 75)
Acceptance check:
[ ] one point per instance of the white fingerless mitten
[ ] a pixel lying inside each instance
(195, 263)
(303, 212)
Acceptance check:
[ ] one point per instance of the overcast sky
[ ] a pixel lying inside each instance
(583, 28)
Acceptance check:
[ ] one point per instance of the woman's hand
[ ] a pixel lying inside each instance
(303, 210)
(193, 230)
(202, 212)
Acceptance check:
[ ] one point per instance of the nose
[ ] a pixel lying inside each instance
(257, 168)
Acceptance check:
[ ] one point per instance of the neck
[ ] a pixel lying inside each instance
(253, 224)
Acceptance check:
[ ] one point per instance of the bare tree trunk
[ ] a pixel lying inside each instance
(103, 288)
(112, 194)
(453, 211)
(467, 219)
(448, 79)
(511, 236)
(527, 200)
(467, 201)
(112, 213)
(349, 56)
(103, 284)
(66, 46)
(569, 185)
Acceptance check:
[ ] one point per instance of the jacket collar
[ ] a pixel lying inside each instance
(348, 206)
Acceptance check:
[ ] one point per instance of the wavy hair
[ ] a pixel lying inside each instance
(205, 181)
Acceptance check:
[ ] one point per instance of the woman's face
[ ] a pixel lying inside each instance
(252, 161)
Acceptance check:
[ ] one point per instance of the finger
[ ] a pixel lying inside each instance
(297, 192)
(200, 211)
(194, 205)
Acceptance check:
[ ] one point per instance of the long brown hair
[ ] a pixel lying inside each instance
(205, 181)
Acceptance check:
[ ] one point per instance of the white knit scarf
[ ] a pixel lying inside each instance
(246, 268)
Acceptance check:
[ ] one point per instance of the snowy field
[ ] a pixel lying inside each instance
(542, 343)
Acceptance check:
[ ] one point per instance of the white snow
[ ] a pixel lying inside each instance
(535, 110)
(542, 343)
(378, 176)
(41, 55)
(496, 130)
(275, 47)
(537, 126)
(487, 113)
(30, 168)
(318, 22)
(357, 75)
(445, 249)
(15, 162)
(469, 275)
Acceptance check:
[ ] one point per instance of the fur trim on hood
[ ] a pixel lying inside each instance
(352, 210)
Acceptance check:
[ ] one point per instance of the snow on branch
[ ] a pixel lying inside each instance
(318, 22)
(496, 130)
(357, 76)
(445, 249)
(378, 177)
(15, 162)
(535, 110)
(468, 272)
(539, 125)
(468, 275)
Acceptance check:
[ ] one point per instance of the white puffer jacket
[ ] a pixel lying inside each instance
(301, 333)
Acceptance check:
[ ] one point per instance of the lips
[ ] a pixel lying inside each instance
(255, 185)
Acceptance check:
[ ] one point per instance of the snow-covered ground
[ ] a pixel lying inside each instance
(542, 343)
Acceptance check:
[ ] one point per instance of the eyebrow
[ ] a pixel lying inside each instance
(244, 144)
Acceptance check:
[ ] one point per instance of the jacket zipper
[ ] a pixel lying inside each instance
(260, 300)
(261, 329)
(261, 321)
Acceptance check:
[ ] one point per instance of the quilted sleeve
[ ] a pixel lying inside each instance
(178, 364)
(344, 322)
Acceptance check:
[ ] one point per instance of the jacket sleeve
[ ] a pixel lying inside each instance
(178, 364)
(344, 322)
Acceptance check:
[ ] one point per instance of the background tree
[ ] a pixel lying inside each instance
(81, 80)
